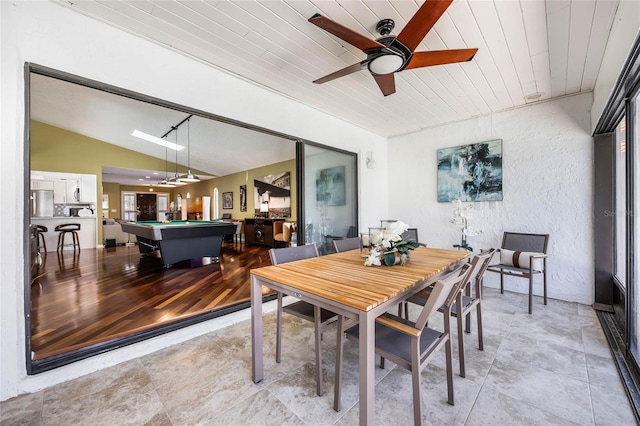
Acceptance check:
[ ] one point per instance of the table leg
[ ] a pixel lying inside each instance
(257, 368)
(366, 349)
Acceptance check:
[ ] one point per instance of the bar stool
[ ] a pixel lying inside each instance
(66, 228)
(41, 229)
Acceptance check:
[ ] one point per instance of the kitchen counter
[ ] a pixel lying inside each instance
(87, 234)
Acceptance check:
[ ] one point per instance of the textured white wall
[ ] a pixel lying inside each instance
(53, 36)
(547, 188)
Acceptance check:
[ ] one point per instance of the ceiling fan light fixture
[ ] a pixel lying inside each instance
(386, 64)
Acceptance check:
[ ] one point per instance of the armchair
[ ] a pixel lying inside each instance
(523, 255)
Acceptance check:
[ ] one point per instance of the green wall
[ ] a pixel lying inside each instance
(231, 183)
(57, 150)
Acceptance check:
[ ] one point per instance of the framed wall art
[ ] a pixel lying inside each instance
(272, 195)
(243, 198)
(330, 186)
(470, 172)
(227, 200)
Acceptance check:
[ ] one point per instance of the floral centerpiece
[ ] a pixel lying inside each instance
(461, 217)
(389, 248)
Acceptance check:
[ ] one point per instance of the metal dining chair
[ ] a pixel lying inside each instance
(321, 318)
(347, 244)
(412, 345)
(465, 302)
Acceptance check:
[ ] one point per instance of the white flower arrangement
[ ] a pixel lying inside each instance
(461, 217)
(388, 247)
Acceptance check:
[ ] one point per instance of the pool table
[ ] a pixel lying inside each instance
(180, 239)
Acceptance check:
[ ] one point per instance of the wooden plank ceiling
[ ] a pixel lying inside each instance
(526, 47)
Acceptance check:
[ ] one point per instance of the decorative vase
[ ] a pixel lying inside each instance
(395, 258)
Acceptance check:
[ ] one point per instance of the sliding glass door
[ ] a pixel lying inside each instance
(327, 195)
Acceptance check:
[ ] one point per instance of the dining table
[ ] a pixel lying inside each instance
(342, 284)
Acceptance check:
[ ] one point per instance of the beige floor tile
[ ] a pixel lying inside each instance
(552, 367)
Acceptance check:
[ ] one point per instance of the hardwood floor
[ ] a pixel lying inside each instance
(96, 295)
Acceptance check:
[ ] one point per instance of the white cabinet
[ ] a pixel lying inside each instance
(71, 187)
(88, 189)
(59, 192)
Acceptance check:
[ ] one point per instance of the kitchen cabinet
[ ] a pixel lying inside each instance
(70, 191)
(88, 189)
(59, 192)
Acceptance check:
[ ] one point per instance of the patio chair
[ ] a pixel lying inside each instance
(523, 255)
(411, 234)
(464, 300)
(347, 244)
(321, 318)
(412, 345)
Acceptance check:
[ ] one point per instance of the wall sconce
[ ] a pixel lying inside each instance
(371, 163)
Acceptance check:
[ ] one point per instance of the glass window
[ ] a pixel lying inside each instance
(330, 198)
(620, 216)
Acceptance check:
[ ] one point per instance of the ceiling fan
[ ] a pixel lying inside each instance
(390, 54)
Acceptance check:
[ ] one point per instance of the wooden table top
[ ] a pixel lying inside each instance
(343, 278)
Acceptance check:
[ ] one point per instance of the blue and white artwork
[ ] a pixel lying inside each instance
(470, 172)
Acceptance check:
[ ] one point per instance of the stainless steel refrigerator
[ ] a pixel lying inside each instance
(41, 203)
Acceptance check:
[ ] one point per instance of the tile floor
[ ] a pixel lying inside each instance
(552, 367)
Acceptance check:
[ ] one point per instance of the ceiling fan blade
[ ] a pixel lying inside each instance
(341, 73)
(423, 20)
(344, 33)
(440, 57)
(386, 83)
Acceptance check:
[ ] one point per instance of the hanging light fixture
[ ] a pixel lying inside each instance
(189, 177)
(175, 180)
(164, 183)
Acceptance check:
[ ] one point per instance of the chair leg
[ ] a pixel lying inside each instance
(406, 310)
(530, 292)
(279, 329)
(479, 321)
(501, 283)
(467, 317)
(459, 320)
(417, 389)
(316, 317)
(544, 275)
(338, 376)
(447, 347)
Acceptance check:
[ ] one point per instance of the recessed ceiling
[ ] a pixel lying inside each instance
(217, 148)
(529, 50)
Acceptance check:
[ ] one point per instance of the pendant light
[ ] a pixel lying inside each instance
(175, 180)
(189, 177)
(164, 183)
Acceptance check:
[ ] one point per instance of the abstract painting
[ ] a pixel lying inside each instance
(470, 172)
(330, 186)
